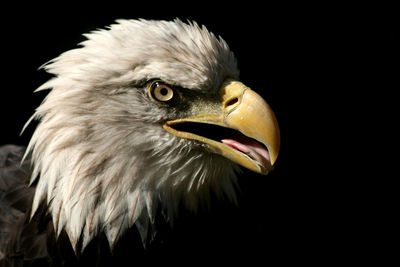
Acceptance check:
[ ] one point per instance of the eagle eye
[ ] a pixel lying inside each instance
(161, 92)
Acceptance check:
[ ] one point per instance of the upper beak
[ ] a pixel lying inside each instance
(241, 109)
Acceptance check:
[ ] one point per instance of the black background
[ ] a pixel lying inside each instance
(316, 65)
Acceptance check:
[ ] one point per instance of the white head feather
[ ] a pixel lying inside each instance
(101, 158)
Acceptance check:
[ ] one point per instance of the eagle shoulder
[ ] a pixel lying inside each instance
(21, 239)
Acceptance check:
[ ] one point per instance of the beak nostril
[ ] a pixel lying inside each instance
(231, 102)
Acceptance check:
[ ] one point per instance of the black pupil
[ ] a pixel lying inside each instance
(164, 91)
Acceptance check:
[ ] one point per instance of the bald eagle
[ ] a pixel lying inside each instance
(143, 116)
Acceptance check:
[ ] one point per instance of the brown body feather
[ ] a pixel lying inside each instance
(21, 240)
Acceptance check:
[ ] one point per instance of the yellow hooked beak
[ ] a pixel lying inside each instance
(256, 146)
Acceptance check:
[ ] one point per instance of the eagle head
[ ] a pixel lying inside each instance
(144, 115)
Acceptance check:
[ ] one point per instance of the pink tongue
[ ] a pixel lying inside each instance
(251, 148)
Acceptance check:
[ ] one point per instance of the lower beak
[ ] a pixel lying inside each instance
(256, 144)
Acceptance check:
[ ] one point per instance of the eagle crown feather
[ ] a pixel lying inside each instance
(101, 159)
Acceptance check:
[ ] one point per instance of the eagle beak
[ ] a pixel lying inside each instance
(254, 141)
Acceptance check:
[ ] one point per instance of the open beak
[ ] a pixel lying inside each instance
(254, 142)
